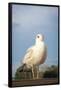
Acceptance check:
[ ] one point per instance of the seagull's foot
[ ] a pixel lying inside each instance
(34, 78)
(37, 77)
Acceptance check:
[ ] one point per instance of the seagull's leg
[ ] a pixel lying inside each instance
(37, 72)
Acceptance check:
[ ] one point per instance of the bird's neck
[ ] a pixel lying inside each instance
(38, 42)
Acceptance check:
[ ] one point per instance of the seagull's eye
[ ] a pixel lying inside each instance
(37, 36)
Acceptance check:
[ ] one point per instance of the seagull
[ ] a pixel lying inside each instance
(36, 54)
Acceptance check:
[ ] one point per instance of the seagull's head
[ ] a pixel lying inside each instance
(39, 37)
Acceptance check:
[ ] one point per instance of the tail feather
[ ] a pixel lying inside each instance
(22, 67)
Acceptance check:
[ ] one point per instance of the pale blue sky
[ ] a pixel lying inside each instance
(27, 22)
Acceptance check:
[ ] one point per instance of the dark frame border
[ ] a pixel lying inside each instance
(9, 45)
(10, 40)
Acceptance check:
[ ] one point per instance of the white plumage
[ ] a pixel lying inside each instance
(36, 54)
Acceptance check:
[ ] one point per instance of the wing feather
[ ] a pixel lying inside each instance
(28, 56)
